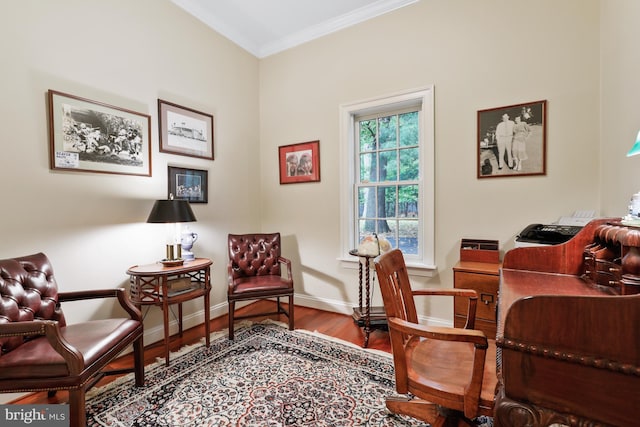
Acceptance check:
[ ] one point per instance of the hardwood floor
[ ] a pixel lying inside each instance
(333, 324)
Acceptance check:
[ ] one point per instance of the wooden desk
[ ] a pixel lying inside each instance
(568, 347)
(150, 285)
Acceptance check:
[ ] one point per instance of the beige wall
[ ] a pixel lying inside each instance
(578, 55)
(128, 54)
(477, 55)
(620, 108)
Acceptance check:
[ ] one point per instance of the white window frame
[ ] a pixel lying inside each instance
(424, 265)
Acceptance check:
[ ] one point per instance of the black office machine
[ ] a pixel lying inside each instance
(547, 234)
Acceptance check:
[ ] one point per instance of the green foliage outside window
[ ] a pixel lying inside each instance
(388, 190)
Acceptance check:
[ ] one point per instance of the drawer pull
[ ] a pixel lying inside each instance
(486, 298)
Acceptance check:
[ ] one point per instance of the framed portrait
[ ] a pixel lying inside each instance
(299, 162)
(188, 184)
(512, 140)
(185, 131)
(91, 136)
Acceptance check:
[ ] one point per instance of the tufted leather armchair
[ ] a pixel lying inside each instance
(39, 351)
(255, 273)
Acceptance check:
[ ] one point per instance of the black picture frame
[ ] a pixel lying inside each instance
(528, 141)
(188, 184)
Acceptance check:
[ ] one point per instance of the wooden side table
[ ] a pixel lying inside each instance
(150, 285)
(367, 316)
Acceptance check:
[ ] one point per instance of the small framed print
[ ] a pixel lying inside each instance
(185, 131)
(299, 162)
(512, 140)
(188, 184)
(91, 136)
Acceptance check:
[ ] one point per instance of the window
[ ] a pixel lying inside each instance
(387, 174)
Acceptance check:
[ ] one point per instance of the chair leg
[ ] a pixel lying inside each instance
(232, 307)
(416, 408)
(450, 418)
(77, 410)
(435, 415)
(138, 361)
(291, 312)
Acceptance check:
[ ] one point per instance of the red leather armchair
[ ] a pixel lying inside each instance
(41, 352)
(255, 273)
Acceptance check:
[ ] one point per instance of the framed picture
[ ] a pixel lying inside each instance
(91, 136)
(185, 131)
(512, 140)
(188, 184)
(299, 162)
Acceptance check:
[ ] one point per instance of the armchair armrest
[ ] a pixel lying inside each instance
(442, 333)
(287, 263)
(471, 294)
(51, 330)
(230, 275)
(119, 293)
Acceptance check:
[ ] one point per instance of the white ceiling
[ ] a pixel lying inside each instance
(265, 27)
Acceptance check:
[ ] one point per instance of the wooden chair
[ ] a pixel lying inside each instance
(41, 352)
(255, 273)
(450, 371)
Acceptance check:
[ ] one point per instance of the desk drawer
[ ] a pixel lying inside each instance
(486, 285)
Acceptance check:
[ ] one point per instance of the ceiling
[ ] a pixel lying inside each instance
(265, 27)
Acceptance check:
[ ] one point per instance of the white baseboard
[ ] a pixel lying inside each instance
(8, 397)
(326, 304)
(155, 334)
(344, 308)
(152, 335)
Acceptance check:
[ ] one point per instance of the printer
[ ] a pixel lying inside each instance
(546, 234)
(554, 234)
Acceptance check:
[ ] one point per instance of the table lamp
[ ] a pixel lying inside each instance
(633, 218)
(172, 212)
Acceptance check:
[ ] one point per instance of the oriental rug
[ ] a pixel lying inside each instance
(267, 376)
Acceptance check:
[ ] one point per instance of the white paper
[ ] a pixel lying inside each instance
(66, 159)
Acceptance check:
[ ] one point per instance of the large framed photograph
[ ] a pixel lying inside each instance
(512, 140)
(188, 184)
(185, 131)
(299, 162)
(91, 136)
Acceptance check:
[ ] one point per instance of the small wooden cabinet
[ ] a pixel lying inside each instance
(484, 278)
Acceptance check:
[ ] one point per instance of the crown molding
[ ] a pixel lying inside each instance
(260, 50)
(341, 22)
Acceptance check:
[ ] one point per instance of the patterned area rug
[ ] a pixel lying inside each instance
(267, 376)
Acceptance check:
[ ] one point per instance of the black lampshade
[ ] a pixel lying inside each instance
(171, 211)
